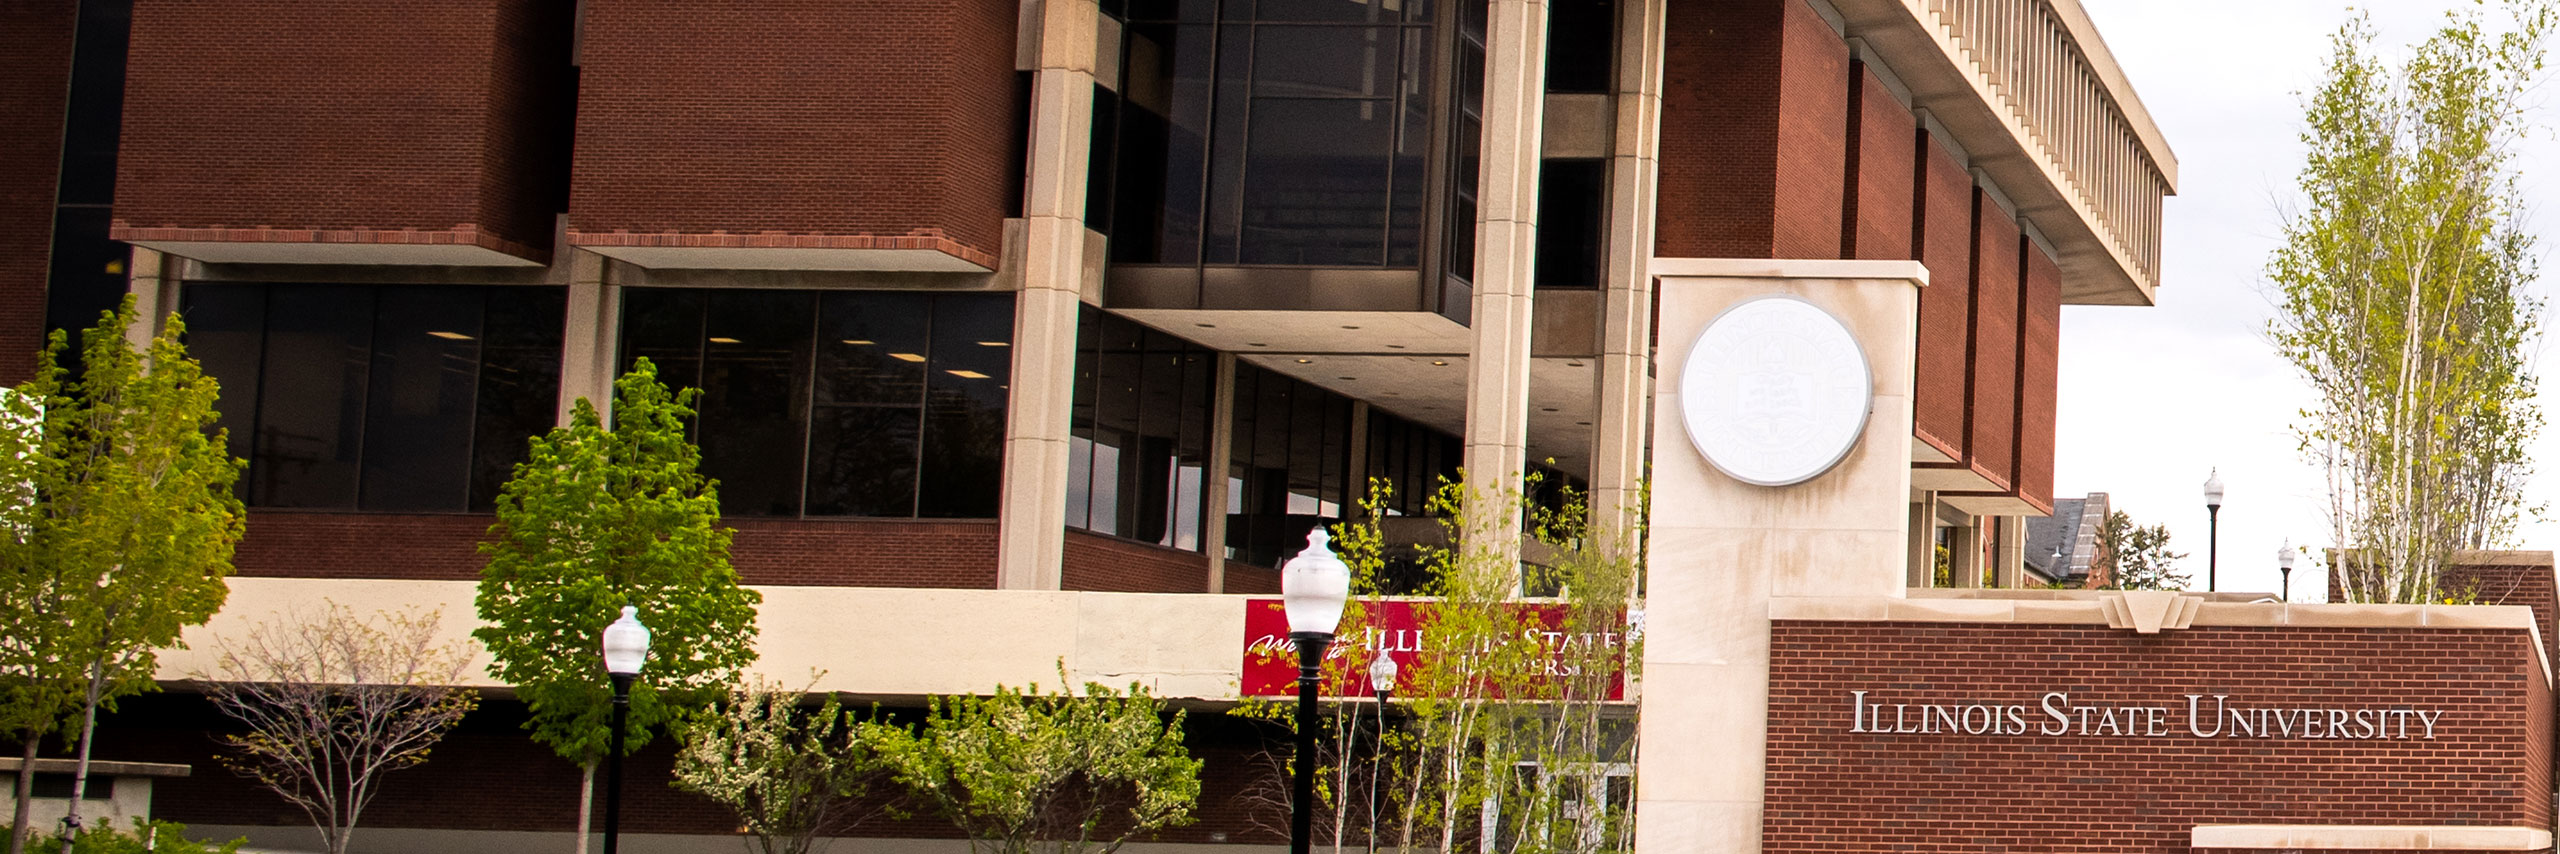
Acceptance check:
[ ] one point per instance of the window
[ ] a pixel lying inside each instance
(1279, 132)
(1140, 445)
(399, 399)
(837, 403)
(1583, 806)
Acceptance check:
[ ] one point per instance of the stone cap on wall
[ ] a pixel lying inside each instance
(2315, 837)
(97, 768)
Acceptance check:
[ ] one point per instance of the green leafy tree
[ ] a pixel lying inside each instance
(2402, 295)
(594, 520)
(786, 769)
(1021, 771)
(121, 528)
(2132, 557)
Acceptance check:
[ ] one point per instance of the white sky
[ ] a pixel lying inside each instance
(2153, 397)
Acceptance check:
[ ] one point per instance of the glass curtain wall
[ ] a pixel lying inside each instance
(1281, 132)
(1139, 448)
(379, 398)
(837, 403)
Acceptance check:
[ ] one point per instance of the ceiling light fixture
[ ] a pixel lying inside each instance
(858, 342)
(1440, 362)
(907, 357)
(719, 340)
(967, 375)
(450, 336)
(995, 343)
(1306, 361)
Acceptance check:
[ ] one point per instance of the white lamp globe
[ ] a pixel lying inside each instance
(1313, 587)
(2213, 488)
(626, 644)
(1382, 674)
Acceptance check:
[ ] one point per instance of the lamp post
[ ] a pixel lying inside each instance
(2213, 525)
(2284, 564)
(1382, 683)
(626, 647)
(1313, 587)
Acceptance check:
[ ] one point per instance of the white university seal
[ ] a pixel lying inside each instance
(1776, 391)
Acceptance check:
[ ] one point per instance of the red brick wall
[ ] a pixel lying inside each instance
(1831, 790)
(885, 124)
(1252, 579)
(1754, 131)
(1097, 562)
(848, 552)
(2504, 582)
(35, 78)
(1812, 145)
(344, 121)
(1991, 423)
(1942, 237)
(1878, 215)
(2039, 373)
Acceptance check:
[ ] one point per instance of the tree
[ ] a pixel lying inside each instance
(2402, 297)
(2135, 558)
(1021, 771)
(334, 702)
(785, 769)
(122, 531)
(593, 520)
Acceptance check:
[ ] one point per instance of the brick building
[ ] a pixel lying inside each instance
(1041, 337)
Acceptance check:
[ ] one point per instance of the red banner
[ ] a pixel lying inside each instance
(1395, 627)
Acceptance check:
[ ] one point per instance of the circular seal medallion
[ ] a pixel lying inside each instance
(1776, 391)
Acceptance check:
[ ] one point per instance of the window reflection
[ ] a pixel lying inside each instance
(399, 399)
(837, 403)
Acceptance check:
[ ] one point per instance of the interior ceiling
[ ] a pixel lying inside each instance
(1294, 332)
(1432, 390)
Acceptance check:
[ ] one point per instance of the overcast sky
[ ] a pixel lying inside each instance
(2153, 398)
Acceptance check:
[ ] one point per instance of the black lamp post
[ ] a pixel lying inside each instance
(2213, 525)
(2284, 564)
(1382, 684)
(1313, 587)
(626, 647)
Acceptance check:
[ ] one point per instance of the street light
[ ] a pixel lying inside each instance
(1382, 682)
(2284, 564)
(1313, 587)
(626, 647)
(2213, 524)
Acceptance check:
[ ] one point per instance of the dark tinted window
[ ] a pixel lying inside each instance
(400, 399)
(1581, 39)
(1572, 206)
(837, 403)
(1139, 447)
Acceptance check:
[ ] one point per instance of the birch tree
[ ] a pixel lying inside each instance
(334, 701)
(2402, 297)
(122, 528)
(593, 520)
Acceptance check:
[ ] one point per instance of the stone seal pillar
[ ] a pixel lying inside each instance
(1722, 548)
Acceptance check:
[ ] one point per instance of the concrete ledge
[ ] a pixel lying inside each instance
(97, 768)
(2086, 609)
(2368, 837)
(1782, 268)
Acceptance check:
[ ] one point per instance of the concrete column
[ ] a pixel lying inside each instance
(1964, 554)
(2009, 557)
(1031, 538)
(1506, 249)
(1356, 490)
(1222, 454)
(153, 281)
(1921, 554)
(1723, 550)
(587, 339)
(1626, 320)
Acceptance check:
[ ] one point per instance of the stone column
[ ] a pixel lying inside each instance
(1506, 250)
(1626, 319)
(2010, 555)
(152, 279)
(587, 338)
(1222, 453)
(1964, 554)
(1723, 549)
(1921, 552)
(1032, 521)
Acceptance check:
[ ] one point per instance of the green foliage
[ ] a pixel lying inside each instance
(2403, 296)
(1021, 771)
(594, 520)
(787, 770)
(149, 837)
(123, 522)
(2134, 557)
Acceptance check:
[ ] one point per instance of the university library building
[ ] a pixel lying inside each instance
(1037, 335)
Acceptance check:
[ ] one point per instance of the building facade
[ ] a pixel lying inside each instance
(1032, 334)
